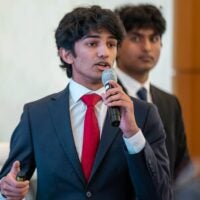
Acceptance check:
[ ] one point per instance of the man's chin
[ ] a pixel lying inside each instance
(146, 68)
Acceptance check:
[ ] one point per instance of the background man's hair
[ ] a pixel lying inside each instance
(142, 16)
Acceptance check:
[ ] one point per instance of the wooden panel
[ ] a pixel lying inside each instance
(187, 88)
(187, 35)
(186, 81)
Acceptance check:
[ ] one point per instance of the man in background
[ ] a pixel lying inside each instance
(138, 54)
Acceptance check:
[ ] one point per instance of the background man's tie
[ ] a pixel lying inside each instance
(91, 134)
(142, 94)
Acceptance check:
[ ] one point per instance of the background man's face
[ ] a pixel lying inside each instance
(139, 51)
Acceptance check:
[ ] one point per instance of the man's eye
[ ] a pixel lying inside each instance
(135, 39)
(112, 44)
(91, 44)
(155, 39)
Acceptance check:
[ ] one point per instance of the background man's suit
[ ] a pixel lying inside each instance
(44, 139)
(171, 115)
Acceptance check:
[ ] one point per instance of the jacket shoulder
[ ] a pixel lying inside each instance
(161, 95)
(47, 98)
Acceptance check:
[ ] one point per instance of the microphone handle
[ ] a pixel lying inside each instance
(114, 112)
(114, 116)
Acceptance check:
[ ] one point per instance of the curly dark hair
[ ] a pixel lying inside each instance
(79, 22)
(141, 16)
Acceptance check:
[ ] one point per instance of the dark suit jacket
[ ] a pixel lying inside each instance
(171, 115)
(44, 140)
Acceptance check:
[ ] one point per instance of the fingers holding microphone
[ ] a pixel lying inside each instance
(11, 188)
(116, 97)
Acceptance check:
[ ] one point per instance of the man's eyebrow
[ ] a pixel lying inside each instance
(97, 36)
(90, 36)
(135, 33)
(141, 34)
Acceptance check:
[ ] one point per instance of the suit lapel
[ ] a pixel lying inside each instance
(59, 109)
(156, 98)
(108, 135)
(154, 95)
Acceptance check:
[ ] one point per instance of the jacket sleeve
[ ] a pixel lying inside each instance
(21, 148)
(149, 169)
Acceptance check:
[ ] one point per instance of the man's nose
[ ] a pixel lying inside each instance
(146, 45)
(103, 51)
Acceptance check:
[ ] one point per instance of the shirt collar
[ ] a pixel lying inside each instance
(131, 84)
(77, 91)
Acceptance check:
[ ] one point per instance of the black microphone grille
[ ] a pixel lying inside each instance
(108, 74)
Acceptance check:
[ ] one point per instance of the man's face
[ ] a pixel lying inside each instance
(139, 51)
(95, 52)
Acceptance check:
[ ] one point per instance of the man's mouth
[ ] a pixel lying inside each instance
(146, 58)
(103, 65)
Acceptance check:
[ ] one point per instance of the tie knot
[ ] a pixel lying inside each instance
(142, 93)
(90, 99)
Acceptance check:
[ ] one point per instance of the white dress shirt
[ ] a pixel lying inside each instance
(131, 85)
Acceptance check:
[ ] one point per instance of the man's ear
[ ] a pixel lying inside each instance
(66, 55)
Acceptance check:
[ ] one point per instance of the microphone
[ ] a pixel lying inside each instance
(114, 112)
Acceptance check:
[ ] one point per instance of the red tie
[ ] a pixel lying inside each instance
(91, 134)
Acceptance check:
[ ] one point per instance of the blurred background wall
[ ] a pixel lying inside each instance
(29, 65)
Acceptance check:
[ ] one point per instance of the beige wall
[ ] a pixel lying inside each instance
(29, 66)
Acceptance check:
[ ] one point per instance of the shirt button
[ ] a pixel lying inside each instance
(88, 194)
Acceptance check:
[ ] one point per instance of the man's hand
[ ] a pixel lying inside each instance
(10, 187)
(117, 97)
